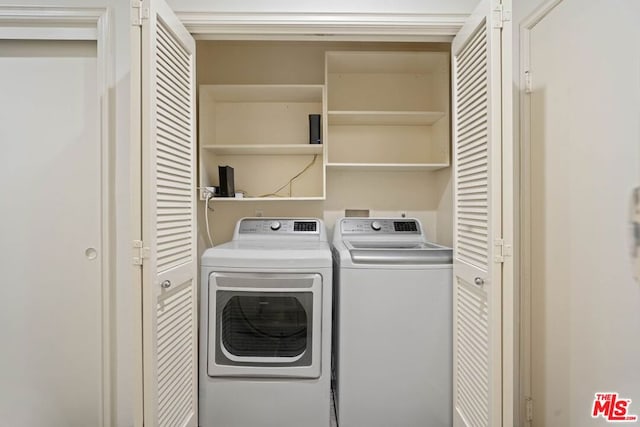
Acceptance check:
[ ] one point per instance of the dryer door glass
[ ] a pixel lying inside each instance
(267, 327)
(264, 326)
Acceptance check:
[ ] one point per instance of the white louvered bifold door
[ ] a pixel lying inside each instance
(169, 220)
(477, 221)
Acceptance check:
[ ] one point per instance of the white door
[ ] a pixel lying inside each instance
(476, 56)
(50, 235)
(168, 220)
(584, 121)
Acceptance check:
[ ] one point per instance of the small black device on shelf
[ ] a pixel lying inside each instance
(315, 129)
(227, 186)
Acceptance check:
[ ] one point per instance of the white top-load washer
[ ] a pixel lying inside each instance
(265, 326)
(392, 325)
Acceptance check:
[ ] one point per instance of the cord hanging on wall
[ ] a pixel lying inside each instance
(206, 216)
(290, 182)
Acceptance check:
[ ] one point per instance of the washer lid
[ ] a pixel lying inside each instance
(398, 252)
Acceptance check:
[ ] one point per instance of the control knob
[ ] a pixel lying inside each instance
(275, 225)
(376, 225)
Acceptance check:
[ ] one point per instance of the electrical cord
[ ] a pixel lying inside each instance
(290, 183)
(206, 216)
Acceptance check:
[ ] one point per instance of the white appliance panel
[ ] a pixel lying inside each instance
(393, 363)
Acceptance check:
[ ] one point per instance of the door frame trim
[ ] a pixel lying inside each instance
(91, 24)
(509, 309)
(401, 28)
(524, 217)
(317, 26)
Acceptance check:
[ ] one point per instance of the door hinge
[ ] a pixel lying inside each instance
(502, 250)
(140, 252)
(499, 16)
(528, 403)
(139, 12)
(527, 82)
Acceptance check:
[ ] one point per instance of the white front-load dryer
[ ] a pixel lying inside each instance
(265, 326)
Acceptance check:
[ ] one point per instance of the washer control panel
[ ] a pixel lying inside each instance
(382, 225)
(279, 226)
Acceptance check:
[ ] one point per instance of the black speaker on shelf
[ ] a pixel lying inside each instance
(227, 186)
(315, 129)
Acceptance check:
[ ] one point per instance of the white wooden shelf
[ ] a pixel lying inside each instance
(386, 62)
(265, 149)
(263, 93)
(387, 166)
(264, 199)
(261, 127)
(410, 118)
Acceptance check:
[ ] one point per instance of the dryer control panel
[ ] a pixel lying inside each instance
(279, 226)
(380, 225)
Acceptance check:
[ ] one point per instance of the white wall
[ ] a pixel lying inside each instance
(326, 6)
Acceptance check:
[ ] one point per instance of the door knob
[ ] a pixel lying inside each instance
(479, 281)
(166, 284)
